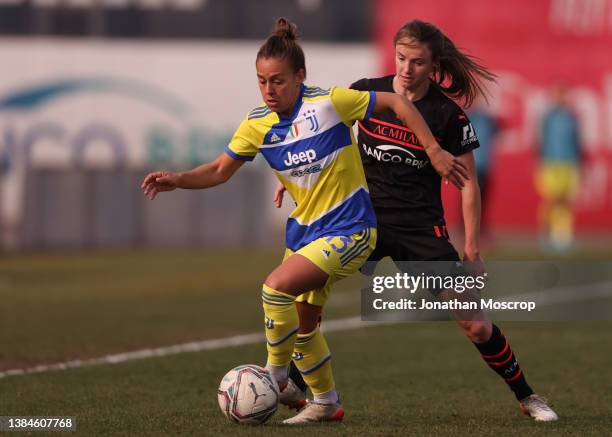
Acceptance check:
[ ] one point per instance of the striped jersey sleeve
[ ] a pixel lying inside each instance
(243, 145)
(352, 105)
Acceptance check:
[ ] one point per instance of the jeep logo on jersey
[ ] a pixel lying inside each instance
(469, 136)
(385, 153)
(299, 158)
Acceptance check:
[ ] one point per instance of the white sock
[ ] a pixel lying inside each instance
(279, 373)
(331, 397)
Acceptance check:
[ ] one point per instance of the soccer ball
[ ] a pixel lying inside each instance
(248, 394)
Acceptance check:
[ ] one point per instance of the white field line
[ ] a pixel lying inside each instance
(195, 346)
(542, 298)
(557, 296)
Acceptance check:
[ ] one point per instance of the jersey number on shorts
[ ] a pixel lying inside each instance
(345, 243)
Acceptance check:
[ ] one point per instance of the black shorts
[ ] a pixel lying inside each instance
(413, 244)
(406, 246)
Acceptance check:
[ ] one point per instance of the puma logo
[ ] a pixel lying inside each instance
(255, 392)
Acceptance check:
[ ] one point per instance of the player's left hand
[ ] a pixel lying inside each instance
(474, 264)
(279, 193)
(449, 167)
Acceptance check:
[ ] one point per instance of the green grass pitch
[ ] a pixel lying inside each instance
(403, 379)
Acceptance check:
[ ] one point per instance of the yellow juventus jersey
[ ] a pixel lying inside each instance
(314, 154)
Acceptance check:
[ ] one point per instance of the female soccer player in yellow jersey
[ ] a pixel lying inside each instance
(305, 135)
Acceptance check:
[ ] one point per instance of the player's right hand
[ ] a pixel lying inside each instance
(159, 181)
(449, 167)
(279, 194)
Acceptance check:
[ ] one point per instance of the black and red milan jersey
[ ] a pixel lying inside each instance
(404, 187)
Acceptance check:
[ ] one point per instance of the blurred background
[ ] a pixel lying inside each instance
(94, 93)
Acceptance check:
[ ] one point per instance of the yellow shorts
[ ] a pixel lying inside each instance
(338, 256)
(557, 181)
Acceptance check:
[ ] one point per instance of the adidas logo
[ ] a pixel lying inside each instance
(275, 138)
(326, 253)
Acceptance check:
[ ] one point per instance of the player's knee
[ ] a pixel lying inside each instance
(276, 282)
(308, 322)
(307, 326)
(477, 332)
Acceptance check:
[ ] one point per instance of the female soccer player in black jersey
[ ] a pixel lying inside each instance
(405, 189)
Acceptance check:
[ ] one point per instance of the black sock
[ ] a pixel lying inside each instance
(499, 356)
(296, 376)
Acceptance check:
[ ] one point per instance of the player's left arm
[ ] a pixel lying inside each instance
(447, 165)
(279, 193)
(460, 139)
(471, 207)
(354, 105)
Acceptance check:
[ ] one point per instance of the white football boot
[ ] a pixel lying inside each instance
(292, 396)
(537, 408)
(315, 412)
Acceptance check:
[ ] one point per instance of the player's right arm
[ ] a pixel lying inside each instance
(204, 176)
(241, 148)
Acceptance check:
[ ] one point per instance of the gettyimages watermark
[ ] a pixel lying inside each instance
(528, 290)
